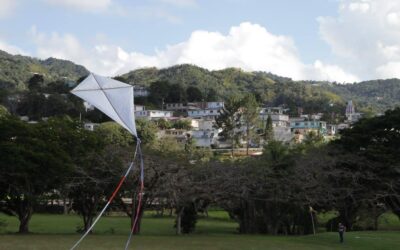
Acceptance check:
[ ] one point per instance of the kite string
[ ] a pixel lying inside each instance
(109, 200)
(140, 197)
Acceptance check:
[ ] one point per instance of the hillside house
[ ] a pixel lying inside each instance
(279, 119)
(140, 91)
(153, 114)
(204, 113)
(90, 126)
(185, 107)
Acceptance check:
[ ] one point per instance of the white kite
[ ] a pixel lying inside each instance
(115, 99)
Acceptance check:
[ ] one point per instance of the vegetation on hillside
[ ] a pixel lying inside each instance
(370, 97)
(311, 96)
(16, 70)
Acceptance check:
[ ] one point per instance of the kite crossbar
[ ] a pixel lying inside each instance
(109, 200)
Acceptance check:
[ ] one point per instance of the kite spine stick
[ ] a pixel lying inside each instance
(109, 201)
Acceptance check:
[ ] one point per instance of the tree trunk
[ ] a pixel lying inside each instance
(66, 207)
(24, 224)
(248, 141)
(376, 216)
(87, 221)
(232, 147)
(24, 215)
(139, 222)
(347, 216)
(178, 221)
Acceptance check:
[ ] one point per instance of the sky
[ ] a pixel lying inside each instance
(336, 40)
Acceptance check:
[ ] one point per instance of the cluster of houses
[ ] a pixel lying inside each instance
(202, 115)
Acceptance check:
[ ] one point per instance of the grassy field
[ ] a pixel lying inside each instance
(215, 232)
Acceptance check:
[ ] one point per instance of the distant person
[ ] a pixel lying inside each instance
(341, 229)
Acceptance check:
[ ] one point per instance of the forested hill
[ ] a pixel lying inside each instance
(15, 71)
(312, 96)
(377, 94)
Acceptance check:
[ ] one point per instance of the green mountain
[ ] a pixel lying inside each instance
(222, 81)
(15, 71)
(311, 96)
(376, 95)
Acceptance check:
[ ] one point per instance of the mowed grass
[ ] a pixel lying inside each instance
(217, 223)
(215, 232)
(323, 241)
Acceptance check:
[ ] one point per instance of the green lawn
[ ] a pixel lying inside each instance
(215, 232)
(323, 241)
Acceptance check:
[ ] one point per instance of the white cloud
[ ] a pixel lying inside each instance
(361, 6)
(83, 5)
(248, 46)
(11, 49)
(103, 59)
(7, 7)
(181, 3)
(393, 18)
(323, 71)
(389, 70)
(365, 37)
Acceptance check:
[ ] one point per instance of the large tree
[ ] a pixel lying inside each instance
(229, 121)
(99, 164)
(32, 163)
(269, 130)
(376, 141)
(159, 92)
(250, 117)
(194, 94)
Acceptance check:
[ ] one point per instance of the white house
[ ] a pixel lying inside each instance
(215, 105)
(140, 91)
(342, 126)
(206, 124)
(283, 134)
(204, 113)
(153, 114)
(90, 126)
(139, 108)
(317, 116)
(194, 106)
(180, 135)
(279, 119)
(88, 106)
(175, 106)
(205, 138)
(331, 129)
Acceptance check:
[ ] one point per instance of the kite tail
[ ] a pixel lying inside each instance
(140, 198)
(111, 197)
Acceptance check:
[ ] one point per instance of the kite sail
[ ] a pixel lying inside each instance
(115, 99)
